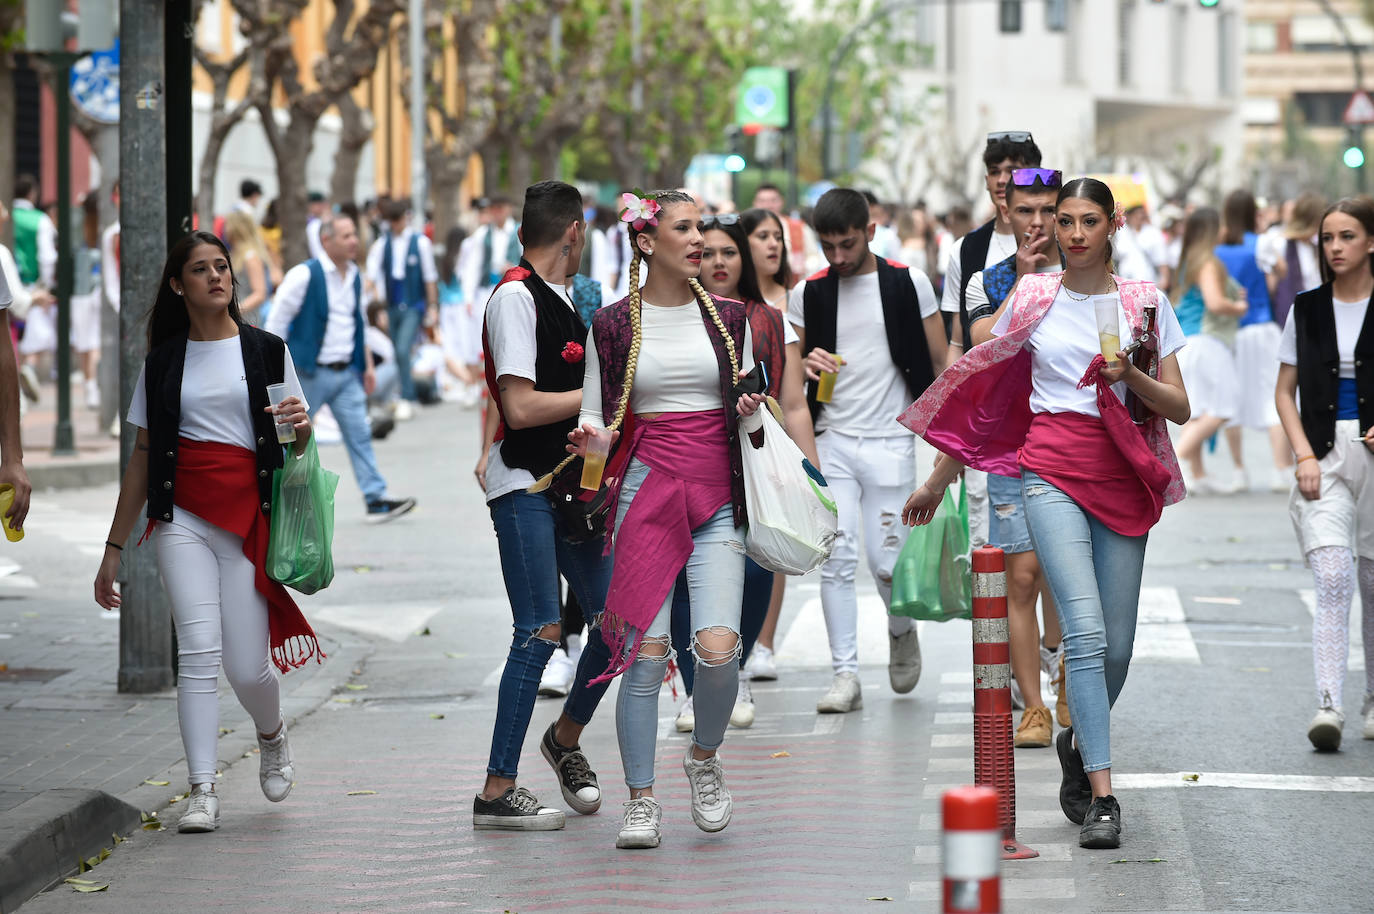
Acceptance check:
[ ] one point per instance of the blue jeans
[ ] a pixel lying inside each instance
(342, 391)
(533, 555)
(715, 582)
(388, 385)
(405, 326)
(1094, 574)
(758, 591)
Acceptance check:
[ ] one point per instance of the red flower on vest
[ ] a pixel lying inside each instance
(572, 353)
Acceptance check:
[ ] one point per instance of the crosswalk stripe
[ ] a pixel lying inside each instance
(1192, 780)
(1161, 630)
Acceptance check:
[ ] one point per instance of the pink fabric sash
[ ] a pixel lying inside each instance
(688, 482)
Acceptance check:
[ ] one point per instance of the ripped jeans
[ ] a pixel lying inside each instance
(715, 584)
(870, 479)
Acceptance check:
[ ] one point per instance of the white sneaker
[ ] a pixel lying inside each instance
(904, 661)
(844, 696)
(276, 769)
(762, 665)
(202, 811)
(404, 411)
(1280, 480)
(92, 394)
(28, 382)
(642, 828)
(558, 675)
(742, 715)
(686, 717)
(1367, 711)
(1325, 729)
(712, 805)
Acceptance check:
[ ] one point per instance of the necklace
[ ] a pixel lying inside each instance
(1069, 292)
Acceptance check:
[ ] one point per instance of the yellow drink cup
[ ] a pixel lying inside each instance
(1111, 345)
(594, 463)
(6, 500)
(825, 387)
(1108, 328)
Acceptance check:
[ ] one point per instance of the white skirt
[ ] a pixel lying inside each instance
(86, 322)
(40, 330)
(1257, 365)
(1209, 374)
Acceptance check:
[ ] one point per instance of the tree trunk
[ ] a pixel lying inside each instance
(446, 181)
(491, 153)
(209, 168)
(550, 160)
(521, 169)
(298, 139)
(354, 135)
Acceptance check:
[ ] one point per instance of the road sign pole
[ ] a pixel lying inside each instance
(64, 444)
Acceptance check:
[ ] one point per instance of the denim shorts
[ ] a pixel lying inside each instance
(1007, 515)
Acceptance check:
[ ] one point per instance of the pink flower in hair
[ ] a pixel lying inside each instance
(1119, 215)
(639, 211)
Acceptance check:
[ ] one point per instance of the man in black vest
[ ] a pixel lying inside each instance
(883, 319)
(533, 341)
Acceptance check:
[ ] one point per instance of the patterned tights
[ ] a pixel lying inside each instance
(1335, 576)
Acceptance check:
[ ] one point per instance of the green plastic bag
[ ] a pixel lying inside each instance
(300, 546)
(933, 579)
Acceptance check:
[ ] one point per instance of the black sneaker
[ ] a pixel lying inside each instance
(1075, 793)
(576, 778)
(515, 809)
(1102, 826)
(386, 509)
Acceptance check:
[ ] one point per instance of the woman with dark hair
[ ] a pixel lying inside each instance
(1326, 354)
(768, 249)
(452, 315)
(661, 371)
(1039, 401)
(205, 455)
(1257, 340)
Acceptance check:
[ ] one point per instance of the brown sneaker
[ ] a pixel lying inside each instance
(1036, 731)
(1061, 701)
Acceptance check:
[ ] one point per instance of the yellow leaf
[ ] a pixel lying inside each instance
(783, 754)
(1191, 777)
(92, 862)
(157, 783)
(344, 699)
(436, 716)
(117, 840)
(361, 569)
(453, 655)
(354, 686)
(225, 731)
(92, 888)
(104, 853)
(361, 793)
(72, 880)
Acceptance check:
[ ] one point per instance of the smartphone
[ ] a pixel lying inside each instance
(755, 382)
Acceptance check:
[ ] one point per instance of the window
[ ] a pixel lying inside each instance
(1322, 109)
(1056, 15)
(1124, 36)
(1010, 15)
(1261, 37)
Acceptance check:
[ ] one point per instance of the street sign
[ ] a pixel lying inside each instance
(1360, 109)
(95, 85)
(762, 98)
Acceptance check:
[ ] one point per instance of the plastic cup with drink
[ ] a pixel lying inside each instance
(594, 463)
(1108, 328)
(825, 387)
(286, 432)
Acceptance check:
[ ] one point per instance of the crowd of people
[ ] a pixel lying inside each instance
(631, 335)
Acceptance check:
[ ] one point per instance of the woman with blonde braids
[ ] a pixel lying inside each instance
(661, 371)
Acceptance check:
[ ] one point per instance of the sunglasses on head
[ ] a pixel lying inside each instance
(721, 219)
(1010, 136)
(1026, 177)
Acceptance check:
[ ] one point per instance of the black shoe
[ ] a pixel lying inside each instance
(515, 809)
(1102, 827)
(576, 778)
(1075, 793)
(388, 509)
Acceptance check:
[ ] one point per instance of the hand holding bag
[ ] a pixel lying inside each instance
(300, 546)
(792, 520)
(933, 578)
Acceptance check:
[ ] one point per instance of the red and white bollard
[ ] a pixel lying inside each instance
(972, 850)
(993, 762)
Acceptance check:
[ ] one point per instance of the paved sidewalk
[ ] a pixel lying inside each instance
(97, 453)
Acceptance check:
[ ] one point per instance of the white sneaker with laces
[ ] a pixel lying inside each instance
(202, 811)
(904, 661)
(742, 715)
(1367, 712)
(686, 717)
(643, 821)
(558, 675)
(1325, 729)
(762, 665)
(276, 769)
(844, 696)
(712, 804)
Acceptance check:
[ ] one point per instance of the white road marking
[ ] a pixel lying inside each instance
(929, 855)
(1161, 632)
(392, 621)
(1305, 782)
(1356, 660)
(1012, 888)
(806, 643)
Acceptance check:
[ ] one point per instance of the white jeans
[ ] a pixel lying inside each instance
(870, 479)
(219, 614)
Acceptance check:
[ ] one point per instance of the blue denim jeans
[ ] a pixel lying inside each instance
(342, 391)
(405, 326)
(758, 591)
(533, 555)
(715, 583)
(1094, 574)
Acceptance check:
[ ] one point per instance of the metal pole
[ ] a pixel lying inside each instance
(180, 33)
(1361, 179)
(145, 631)
(63, 443)
(418, 177)
(637, 54)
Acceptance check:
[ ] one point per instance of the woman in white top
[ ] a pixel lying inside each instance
(201, 402)
(1326, 355)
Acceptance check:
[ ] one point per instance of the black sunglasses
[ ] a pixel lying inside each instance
(1010, 136)
(721, 219)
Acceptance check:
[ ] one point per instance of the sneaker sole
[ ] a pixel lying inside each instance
(1022, 743)
(197, 828)
(579, 806)
(637, 842)
(1063, 747)
(712, 827)
(390, 515)
(685, 726)
(552, 691)
(272, 799)
(1099, 838)
(763, 677)
(744, 723)
(1324, 737)
(519, 823)
(857, 704)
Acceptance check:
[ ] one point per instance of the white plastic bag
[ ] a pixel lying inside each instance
(792, 520)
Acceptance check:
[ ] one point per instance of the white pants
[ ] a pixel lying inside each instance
(219, 615)
(870, 479)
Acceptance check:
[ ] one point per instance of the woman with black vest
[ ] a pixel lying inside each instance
(204, 459)
(1326, 357)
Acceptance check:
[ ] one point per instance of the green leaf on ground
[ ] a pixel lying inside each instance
(117, 840)
(361, 793)
(344, 699)
(154, 783)
(436, 716)
(1192, 777)
(361, 569)
(424, 631)
(225, 731)
(98, 887)
(355, 686)
(72, 880)
(1143, 860)
(453, 655)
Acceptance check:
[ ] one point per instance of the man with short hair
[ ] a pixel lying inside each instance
(250, 195)
(318, 310)
(35, 237)
(884, 320)
(401, 267)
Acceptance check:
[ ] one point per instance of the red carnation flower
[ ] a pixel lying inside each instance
(572, 353)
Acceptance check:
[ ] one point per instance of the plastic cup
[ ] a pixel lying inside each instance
(286, 432)
(6, 500)
(594, 463)
(825, 388)
(1108, 329)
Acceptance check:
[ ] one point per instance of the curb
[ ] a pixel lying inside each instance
(69, 473)
(45, 836)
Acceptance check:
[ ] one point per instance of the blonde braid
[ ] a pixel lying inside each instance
(709, 304)
(636, 336)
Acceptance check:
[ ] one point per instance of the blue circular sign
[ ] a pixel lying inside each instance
(760, 99)
(95, 85)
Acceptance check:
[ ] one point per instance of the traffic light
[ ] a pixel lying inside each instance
(1208, 4)
(1353, 157)
(734, 163)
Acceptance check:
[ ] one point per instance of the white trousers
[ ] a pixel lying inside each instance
(220, 618)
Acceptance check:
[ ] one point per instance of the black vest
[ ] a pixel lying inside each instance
(264, 362)
(543, 447)
(973, 256)
(1319, 363)
(906, 333)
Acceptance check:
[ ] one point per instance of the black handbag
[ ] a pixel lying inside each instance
(581, 515)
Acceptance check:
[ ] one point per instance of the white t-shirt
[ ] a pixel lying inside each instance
(975, 296)
(1064, 343)
(214, 394)
(1001, 246)
(1139, 255)
(870, 391)
(400, 249)
(1349, 323)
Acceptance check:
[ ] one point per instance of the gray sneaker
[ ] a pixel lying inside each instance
(844, 695)
(712, 804)
(643, 824)
(276, 768)
(904, 661)
(202, 811)
(1325, 729)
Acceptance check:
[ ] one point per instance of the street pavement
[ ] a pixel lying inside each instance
(832, 813)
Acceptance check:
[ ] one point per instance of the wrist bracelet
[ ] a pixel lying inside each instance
(1308, 457)
(115, 545)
